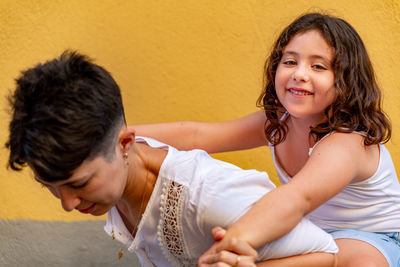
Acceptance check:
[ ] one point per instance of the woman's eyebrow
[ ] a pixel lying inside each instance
(82, 178)
(85, 177)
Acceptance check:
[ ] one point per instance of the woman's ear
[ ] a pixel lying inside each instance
(126, 138)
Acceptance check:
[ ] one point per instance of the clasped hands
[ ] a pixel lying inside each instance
(228, 251)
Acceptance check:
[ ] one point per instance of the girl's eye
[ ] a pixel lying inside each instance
(289, 62)
(319, 67)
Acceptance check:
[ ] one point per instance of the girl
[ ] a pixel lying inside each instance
(324, 124)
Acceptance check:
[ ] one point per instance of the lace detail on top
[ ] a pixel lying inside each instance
(170, 229)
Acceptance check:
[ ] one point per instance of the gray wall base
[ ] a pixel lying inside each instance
(28, 243)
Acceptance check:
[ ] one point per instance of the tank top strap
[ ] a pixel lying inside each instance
(312, 148)
(284, 116)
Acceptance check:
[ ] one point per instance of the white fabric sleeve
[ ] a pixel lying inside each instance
(305, 238)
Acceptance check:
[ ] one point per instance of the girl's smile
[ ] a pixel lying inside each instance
(299, 91)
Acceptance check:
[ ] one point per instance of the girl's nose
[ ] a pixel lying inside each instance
(301, 73)
(69, 199)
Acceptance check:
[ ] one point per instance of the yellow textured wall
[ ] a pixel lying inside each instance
(175, 60)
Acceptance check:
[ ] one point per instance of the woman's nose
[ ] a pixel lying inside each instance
(69, 199)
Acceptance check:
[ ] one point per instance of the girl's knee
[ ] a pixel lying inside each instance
(355, 253)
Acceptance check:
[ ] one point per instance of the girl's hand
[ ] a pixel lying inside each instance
(229, 252)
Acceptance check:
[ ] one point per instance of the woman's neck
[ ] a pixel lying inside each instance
(145, 164)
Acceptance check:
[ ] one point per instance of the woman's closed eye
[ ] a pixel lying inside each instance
(81, 185)
(81, 182)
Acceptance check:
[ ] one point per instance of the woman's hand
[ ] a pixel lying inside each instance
(228, 252)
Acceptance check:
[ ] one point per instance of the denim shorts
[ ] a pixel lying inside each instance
(387, 243)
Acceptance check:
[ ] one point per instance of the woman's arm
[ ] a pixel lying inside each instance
(318, 259)
(334, 163)
(243, 133)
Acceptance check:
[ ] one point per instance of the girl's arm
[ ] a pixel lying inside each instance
(248, 256)
(337, 160)
(317, 259)
(243, 133)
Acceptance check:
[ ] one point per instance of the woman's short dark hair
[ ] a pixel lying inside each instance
(64, 111)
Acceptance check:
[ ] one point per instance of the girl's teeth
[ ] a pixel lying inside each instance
(299, 92)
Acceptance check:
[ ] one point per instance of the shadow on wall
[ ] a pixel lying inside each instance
(25, 243)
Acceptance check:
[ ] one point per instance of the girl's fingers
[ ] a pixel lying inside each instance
(226, 258)
(223, 256)
(204, 258)
(218, 233)
(237, 246)
(231, 252)
(219, 264)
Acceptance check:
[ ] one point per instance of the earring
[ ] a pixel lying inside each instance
(125, 156)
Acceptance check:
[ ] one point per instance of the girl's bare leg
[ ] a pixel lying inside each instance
(354, 253)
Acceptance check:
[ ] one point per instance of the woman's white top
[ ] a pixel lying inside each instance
(371, 205)
(193, 193)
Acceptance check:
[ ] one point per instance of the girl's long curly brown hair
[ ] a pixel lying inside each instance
(357, 104)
